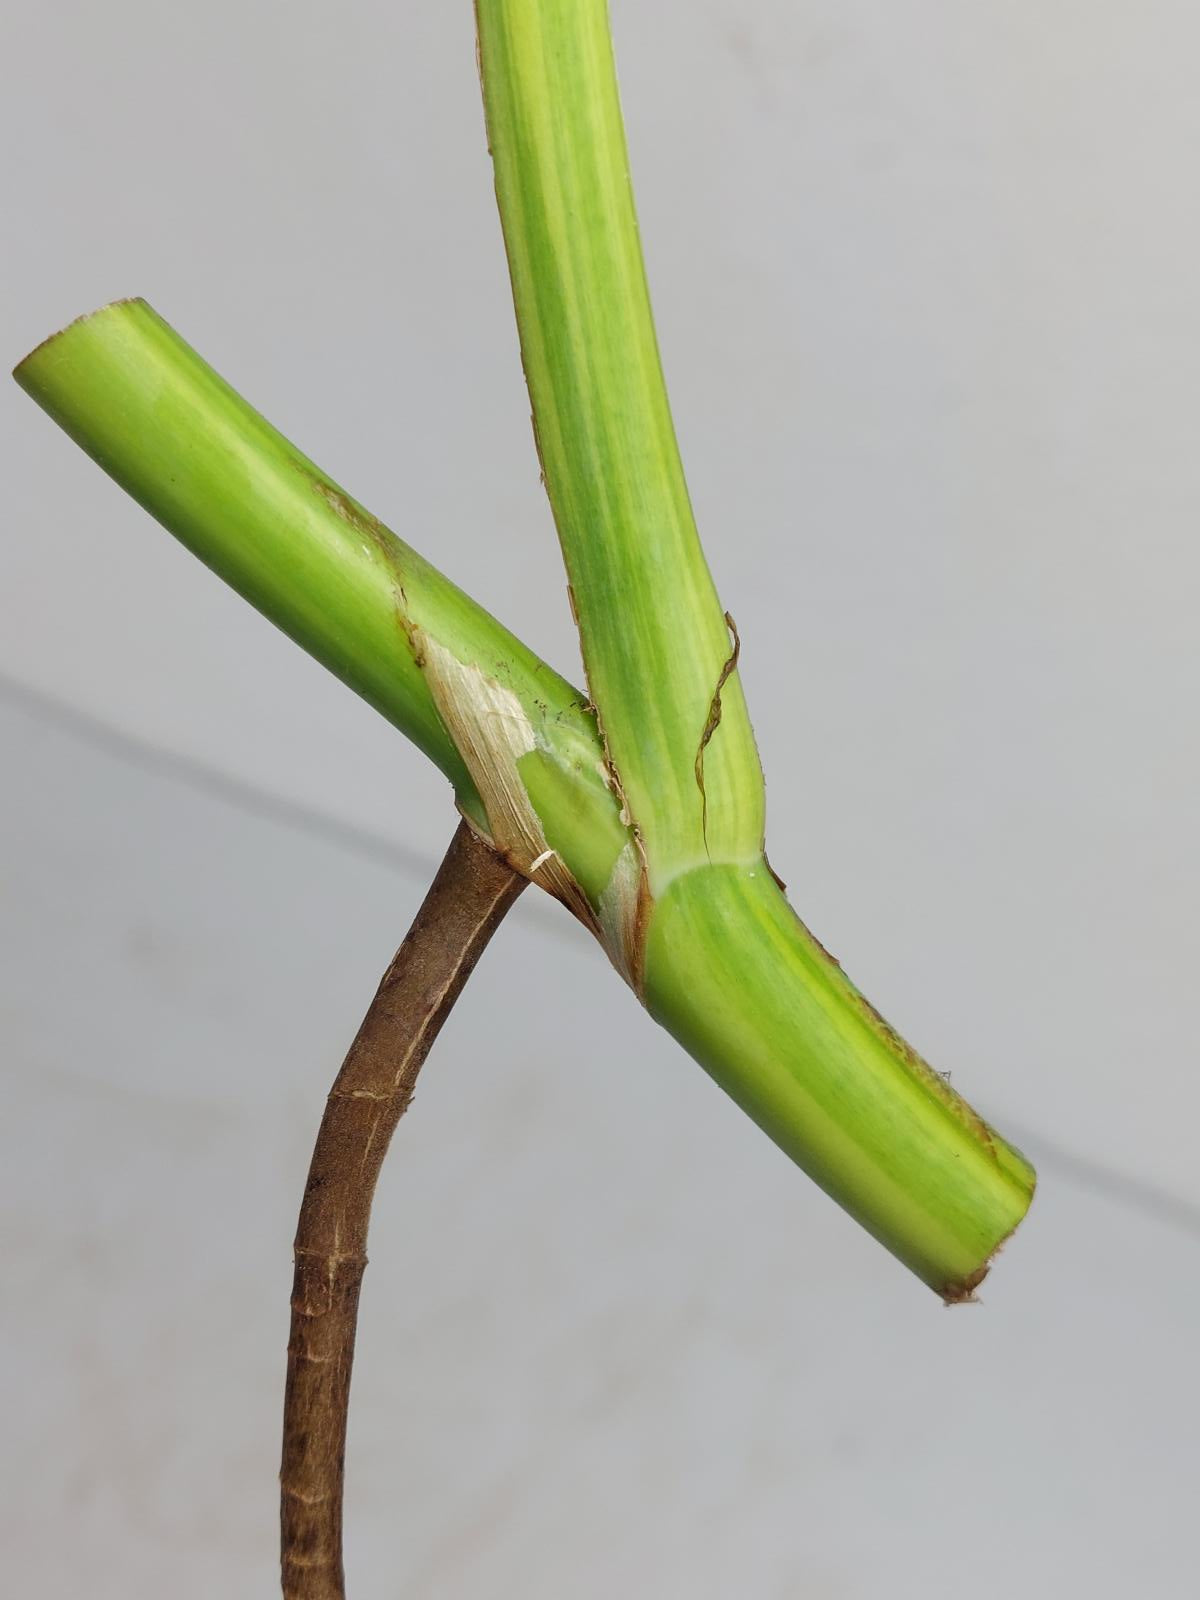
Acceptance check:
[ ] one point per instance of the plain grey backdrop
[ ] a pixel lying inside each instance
(925, 276)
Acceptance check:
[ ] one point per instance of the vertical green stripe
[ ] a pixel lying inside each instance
(652, 629)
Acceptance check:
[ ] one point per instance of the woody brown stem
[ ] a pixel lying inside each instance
(466, 903)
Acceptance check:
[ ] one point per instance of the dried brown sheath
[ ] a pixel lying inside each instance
(465, 905)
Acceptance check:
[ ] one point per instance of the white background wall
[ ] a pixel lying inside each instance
(925, 277)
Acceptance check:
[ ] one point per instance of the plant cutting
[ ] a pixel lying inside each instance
(638, 803)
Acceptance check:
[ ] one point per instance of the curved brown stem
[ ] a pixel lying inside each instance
(465, 905)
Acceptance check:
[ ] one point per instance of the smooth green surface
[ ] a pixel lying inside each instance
(652, 630)
(725, 963)
(729, 970)
(708, 939)
(184, 444)
(741, 983)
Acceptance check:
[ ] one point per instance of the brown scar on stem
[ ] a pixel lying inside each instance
(517, 854)
(385, 542)
(641, 925)
(487, 131)
(962, 1293)
(554, 875)
(632, 962)
(634, 965)
(491, 730)
(635, 954)
(358, 517)
(939, 1082)
(714, 720)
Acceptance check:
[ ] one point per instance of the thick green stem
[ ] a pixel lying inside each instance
(656, 645)
(716, 953)
(746, 989)
(719, 958)
(184, 444)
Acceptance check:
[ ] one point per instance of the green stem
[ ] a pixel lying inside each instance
(653, 633)
(735, 976)
(719, 958)
(188, 448)
(715, 952)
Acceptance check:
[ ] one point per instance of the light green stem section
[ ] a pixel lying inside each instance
(744, 986)
(719, 957)
(652, 630)
(728, 969)
(188, 448)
